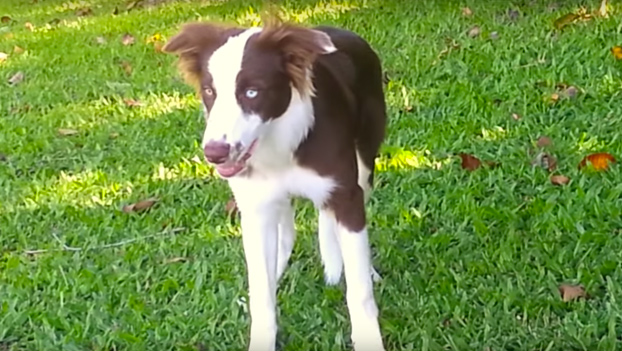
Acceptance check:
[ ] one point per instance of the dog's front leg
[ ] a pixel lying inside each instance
(260, 237)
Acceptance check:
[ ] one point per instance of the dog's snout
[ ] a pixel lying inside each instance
(216, 152)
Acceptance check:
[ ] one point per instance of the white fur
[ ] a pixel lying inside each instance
(267, 216)
(226, 120)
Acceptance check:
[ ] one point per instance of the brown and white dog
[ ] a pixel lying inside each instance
(292, 111)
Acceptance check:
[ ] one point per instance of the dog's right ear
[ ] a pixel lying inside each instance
(193, 44)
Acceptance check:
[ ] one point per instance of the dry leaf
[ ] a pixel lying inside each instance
(554, 98)
(16, 78)
(132, 103)
(513, 14)
(29, 26)
(565, 20)
(544, 141)
(600, 161)
(5, 19)
(474, 31)
(158, 45)
(100, 40)
(559, 179)
(602, 10)
(617, 52)
(571, 292)
(572, 91)
(85, 11)
(175, 260)
(231, 208)
(469, 162)
(466, 11)
(140, 205)
(127, 67)
(516, 116)
(128, 39)
(67, 132)
(17, 50)
(545, 161)
(3, 57)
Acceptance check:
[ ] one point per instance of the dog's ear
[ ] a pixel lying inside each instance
(299, 47)
(193, 44)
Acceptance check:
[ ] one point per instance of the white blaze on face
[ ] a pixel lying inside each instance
(226, 119)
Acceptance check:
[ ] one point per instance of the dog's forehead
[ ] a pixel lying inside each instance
(226, 61)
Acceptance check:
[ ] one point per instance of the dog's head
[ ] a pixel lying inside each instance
(246, 79)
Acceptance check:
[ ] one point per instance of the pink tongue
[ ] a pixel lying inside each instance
(229, 169)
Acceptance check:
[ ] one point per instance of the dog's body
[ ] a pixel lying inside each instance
(293, 112)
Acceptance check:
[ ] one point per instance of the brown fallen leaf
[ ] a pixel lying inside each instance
(469, 162)
(17, 50)
(85, 11)
(546, 161)
(600, 161)
(16, 78)
(127, 39)
(565, 20)
(559, 179)
(570, 292)
(553, 98)
(513, 14)
(617, 52)
(67, 132)
(127, 67)
(140, 205)
(544, 141)
(157, 46)
(3, 57)
(132, 103)
(231, 208)
(474, 31)
(466, 11)
(29, 26)
(572, 91)
(5, 19)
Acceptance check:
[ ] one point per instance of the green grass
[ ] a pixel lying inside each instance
(470, 260)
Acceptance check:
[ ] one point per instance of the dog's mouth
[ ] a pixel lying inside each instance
(236, 165)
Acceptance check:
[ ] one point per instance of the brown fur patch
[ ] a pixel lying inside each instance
(299, 46)
(194, 43)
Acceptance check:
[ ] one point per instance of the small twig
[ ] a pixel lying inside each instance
(106, 246)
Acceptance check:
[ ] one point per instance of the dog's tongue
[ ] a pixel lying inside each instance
(229, 169)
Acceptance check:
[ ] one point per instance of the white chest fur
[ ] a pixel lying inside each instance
(294, 181)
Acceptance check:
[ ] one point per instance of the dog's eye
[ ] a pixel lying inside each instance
(251, 93)
(208, 91)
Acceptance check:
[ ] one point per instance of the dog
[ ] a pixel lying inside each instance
(292, 111)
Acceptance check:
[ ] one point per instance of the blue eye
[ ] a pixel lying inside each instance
(251, 93)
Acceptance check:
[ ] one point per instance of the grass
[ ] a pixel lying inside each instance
(470, 260)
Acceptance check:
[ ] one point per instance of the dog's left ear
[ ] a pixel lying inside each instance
(299, 46)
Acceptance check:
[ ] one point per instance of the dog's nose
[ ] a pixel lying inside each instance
(216, 152)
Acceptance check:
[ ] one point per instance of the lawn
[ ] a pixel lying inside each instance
(471, 260)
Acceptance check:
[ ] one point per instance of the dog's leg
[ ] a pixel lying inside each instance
(287, 237)
(364, 181)
(360, 295)
(330, 250)
(349, 209)
(260, 236)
